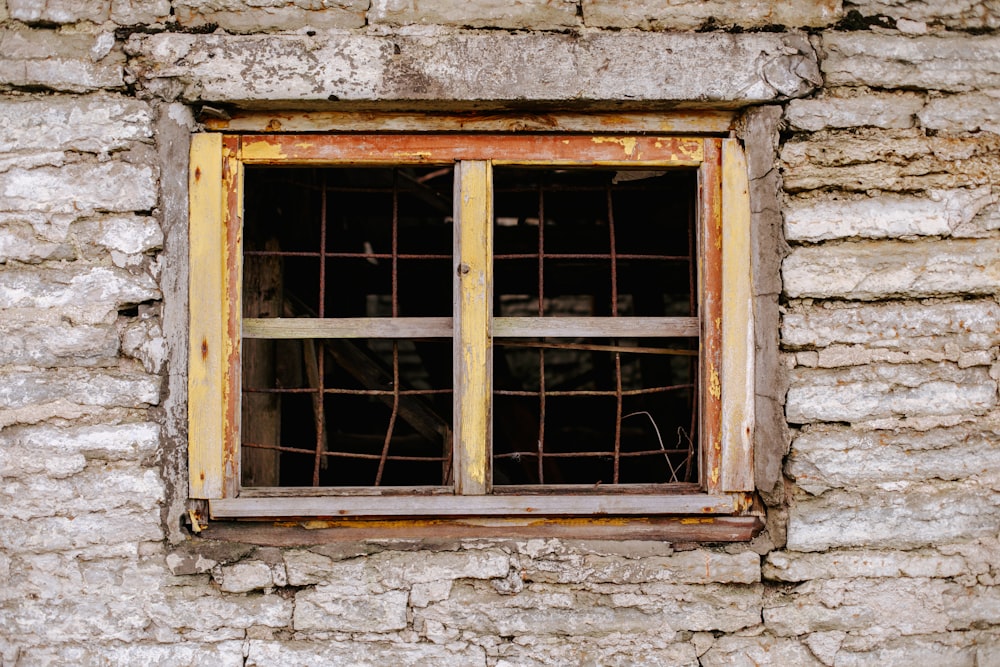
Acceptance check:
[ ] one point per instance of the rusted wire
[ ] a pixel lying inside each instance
(392, 416)
(346, 392)
(342, 455)
(541, 352)
(614, 313)
(579, 455)
(552, 393)
(320, 348)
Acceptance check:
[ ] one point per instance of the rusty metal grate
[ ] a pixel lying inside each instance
(376, 243)
(586, 242)
(343, 243)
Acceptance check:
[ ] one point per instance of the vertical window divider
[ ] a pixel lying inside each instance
(473, 305)
(710, 314)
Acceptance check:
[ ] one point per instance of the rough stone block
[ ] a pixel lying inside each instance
(136, 12)
(326, 608)
(972, 112)
(537, 612)
(794, 567)
(759, 650)
(30, 397)
(988, 652)
(825, 458)
(402, 569)
(33, 237)
(75, 619)
(689, 567)
(479, 66)
(97, 289)
(526, 15)
(950, 13)
(541, 610)
(884, 110)
(957, 63)
(710, 608)
(888, 390)
(244, 576)
(423, 594)
(941, 213)
(869, 159)
(96, 489)
(59, 11)
(651, 648)
(106, 530)
(142, 338)
(201, 611)
(188, 654)
(947, 649)
(21, 241)
(877, 270)
(909, 517)
(905, 326)
(105, 388)
(81, 187)
(91, 124)
(121, 442)
(50, 341)
(686, 15)
(74, 62)
(362, 654)
(932, 606)
(250, 16)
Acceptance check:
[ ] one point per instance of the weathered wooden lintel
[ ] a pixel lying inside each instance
(709, 121)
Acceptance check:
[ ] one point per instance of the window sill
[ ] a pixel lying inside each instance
(438, 506)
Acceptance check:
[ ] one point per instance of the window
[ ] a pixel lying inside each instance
(470, 324)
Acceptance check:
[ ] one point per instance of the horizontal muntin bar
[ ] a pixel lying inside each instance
(595, 327)
(347, 327)
(452, 506)
(344, 255)
(441, 327)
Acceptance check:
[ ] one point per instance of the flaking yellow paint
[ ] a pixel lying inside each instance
(628, 144)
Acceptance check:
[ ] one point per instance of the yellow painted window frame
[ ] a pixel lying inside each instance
(215, 327)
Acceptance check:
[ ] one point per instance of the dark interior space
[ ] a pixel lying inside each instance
(355, 242)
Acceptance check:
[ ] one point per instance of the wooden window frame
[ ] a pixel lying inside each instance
(724, 291)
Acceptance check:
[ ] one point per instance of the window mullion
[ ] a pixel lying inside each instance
(473, 302)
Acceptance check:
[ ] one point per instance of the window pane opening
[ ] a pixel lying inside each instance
(595, 411)
(356, 411)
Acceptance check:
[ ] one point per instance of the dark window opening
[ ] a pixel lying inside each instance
(347, 243)
(366, 411)
(605, 243)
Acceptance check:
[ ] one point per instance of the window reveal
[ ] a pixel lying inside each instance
(584, 285)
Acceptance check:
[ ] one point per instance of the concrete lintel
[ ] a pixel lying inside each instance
(475, 67)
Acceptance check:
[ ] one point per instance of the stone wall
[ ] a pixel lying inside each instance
(883, 519)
